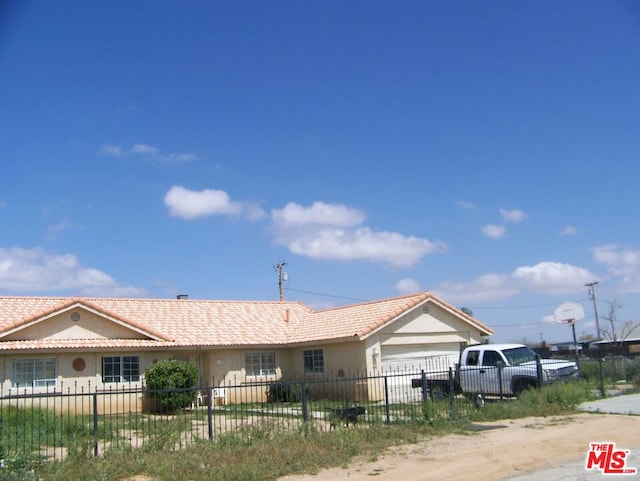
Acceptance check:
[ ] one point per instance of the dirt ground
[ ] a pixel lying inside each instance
(496, 451)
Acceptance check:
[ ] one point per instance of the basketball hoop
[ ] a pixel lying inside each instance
(570, 313)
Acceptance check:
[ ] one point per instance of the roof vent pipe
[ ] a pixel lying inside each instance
(182, 297)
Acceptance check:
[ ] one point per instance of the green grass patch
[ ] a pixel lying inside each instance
(552, 400)
(256, 453)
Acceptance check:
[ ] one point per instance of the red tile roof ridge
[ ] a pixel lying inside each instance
(193, 301)
(66, 302)
(415, 299)
(129, 322)
(420, 296)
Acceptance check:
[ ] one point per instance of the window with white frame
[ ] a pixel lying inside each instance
(313, 361)
(37, 372)
(260, 363)
(120, 369)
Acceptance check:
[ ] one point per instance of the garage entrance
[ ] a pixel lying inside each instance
(402, 364)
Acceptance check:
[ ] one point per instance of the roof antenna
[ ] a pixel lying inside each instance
(282, 277)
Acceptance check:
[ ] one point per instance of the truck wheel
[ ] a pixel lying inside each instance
(521, 386)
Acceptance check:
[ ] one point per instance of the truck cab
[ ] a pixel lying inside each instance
(508, 369)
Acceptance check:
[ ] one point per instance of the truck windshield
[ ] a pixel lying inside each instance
(519, 355)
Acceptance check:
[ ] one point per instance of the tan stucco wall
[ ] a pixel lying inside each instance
(227, 368)
(89, 326)
(422, 327)
(89, 379)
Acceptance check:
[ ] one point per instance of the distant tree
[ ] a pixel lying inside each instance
(618, 331)
(467, 311)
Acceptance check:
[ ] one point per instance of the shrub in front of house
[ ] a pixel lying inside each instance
(288, 392)
(171, 384)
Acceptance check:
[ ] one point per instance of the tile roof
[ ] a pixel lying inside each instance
(201, 323)
(360, 320)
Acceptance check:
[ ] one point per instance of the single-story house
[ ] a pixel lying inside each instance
(105, 343)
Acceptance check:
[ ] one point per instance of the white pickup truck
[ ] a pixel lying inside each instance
(499, 370)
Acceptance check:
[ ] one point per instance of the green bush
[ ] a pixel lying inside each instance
(288, 392)
(171, 384)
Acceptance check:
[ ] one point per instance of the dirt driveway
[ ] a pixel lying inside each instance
(499, 451)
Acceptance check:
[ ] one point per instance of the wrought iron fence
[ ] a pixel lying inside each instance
(72, 421)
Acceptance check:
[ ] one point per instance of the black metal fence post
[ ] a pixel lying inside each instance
(452, 388)
(95, 424)
(539, 374)
(501, 390)
(209, 392)
(603, 390)
(386, 401)
(425, 387)
(303, 397)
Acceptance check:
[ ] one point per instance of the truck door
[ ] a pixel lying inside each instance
(469, 372)
(488, 372)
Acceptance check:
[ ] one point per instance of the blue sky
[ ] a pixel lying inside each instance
(486, 151)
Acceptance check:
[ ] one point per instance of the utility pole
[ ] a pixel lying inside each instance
(281, 277)
(592, 293)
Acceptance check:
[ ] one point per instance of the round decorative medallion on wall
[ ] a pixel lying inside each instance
(79, 364)
(75, 316)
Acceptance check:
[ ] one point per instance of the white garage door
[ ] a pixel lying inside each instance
(402, 364)
(415, 358)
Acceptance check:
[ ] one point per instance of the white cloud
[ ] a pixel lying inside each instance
(622, 263)
(146, 151)
(319, 213)
(407, 286)
(34, 270)
(489, 287)
(179, 158)
(552, 278)
(188, 204)
(544, 277)
(334, 232)
(465, 205)
(109, 149)
(363, 244)
(55, 230)
(514, 215)
(569, 230)
(494, 231)
(143, 149)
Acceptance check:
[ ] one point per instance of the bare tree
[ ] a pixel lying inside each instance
(618, 331)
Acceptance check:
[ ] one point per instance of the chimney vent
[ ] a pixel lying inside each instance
(182, 297)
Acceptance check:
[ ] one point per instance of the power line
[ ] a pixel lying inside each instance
(327, 295)
(478, 308)
(526, 306)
